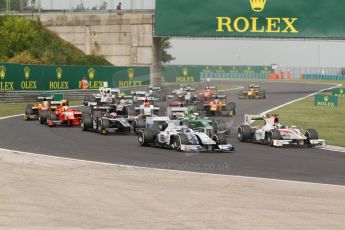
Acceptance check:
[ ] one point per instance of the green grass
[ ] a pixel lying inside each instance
(328, 121)
(18, 108)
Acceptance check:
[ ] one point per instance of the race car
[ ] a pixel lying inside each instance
(32, 110)
(207, 94)
(275, 134)
(61, 115)
(196, 122)
(147, 108)
(152, 92)
(187, 98)
(141, 113)
(218, 106)
(105, 120)
(172, 135)
(102, 97)
(253, 92)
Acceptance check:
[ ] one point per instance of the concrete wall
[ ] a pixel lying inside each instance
(123, 39)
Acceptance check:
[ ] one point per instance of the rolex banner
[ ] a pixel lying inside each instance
(14, 77)
(251, 18)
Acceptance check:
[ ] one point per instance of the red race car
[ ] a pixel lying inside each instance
(62, 115)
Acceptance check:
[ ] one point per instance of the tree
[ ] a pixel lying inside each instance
(165, 56)
(80, 7)
(103, 6)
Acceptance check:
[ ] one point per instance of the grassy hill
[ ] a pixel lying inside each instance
(28, 42)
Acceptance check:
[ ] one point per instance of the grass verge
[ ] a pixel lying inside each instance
(18, 108)
(328, 121)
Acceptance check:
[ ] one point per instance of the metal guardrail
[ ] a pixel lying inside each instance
(30, 96)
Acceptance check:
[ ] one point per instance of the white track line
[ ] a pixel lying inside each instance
(18, 115)
(300, 99)
(165, 170)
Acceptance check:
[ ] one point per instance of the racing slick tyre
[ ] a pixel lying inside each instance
(43, 117)
(104, 125)
(92, 98)
(263, 94)
(179, 140)
(145, 137)
(219, 125)
(28, 109)
(52, 117)
(138, 124)
(244, 133)
(311, 134)
(86, 100)
(86, 122)
(274, 134)
(220, 139)
(232, 108)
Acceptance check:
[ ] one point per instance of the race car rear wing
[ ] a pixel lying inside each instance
(140, 107)
(156, 88)
(42, 98)
(139, 93)
(219, 96)
(189, 88)
(102, 108)
(143, 98)
(249, 119)
(171, 110)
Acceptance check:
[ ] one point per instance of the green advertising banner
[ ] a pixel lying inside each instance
(15, 77)
(326, 100)
(339, 92)
(190, 74)
(251, 18)
(180, 74)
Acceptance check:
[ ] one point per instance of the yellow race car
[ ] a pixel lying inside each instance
(253, 92)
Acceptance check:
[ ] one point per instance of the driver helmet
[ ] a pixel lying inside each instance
(146, 103)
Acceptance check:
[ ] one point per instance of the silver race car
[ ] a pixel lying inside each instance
(171, 134)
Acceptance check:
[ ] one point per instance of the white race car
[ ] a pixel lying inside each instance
(275, 134)
(103, 97)
(170, 134)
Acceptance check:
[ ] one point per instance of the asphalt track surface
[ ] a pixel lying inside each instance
(253, 160)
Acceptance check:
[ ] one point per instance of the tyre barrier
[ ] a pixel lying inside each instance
(323, 77)
(234, 75)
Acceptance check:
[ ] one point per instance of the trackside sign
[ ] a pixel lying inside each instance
(326, 100)
(251, 18)
(339, 92)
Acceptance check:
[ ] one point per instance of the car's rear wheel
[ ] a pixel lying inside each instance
(43, 116)
(104, 126)
(138, 124)
(145, 137)
(311, 134)
(28, 110)
(86, 122)
(244, 133)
